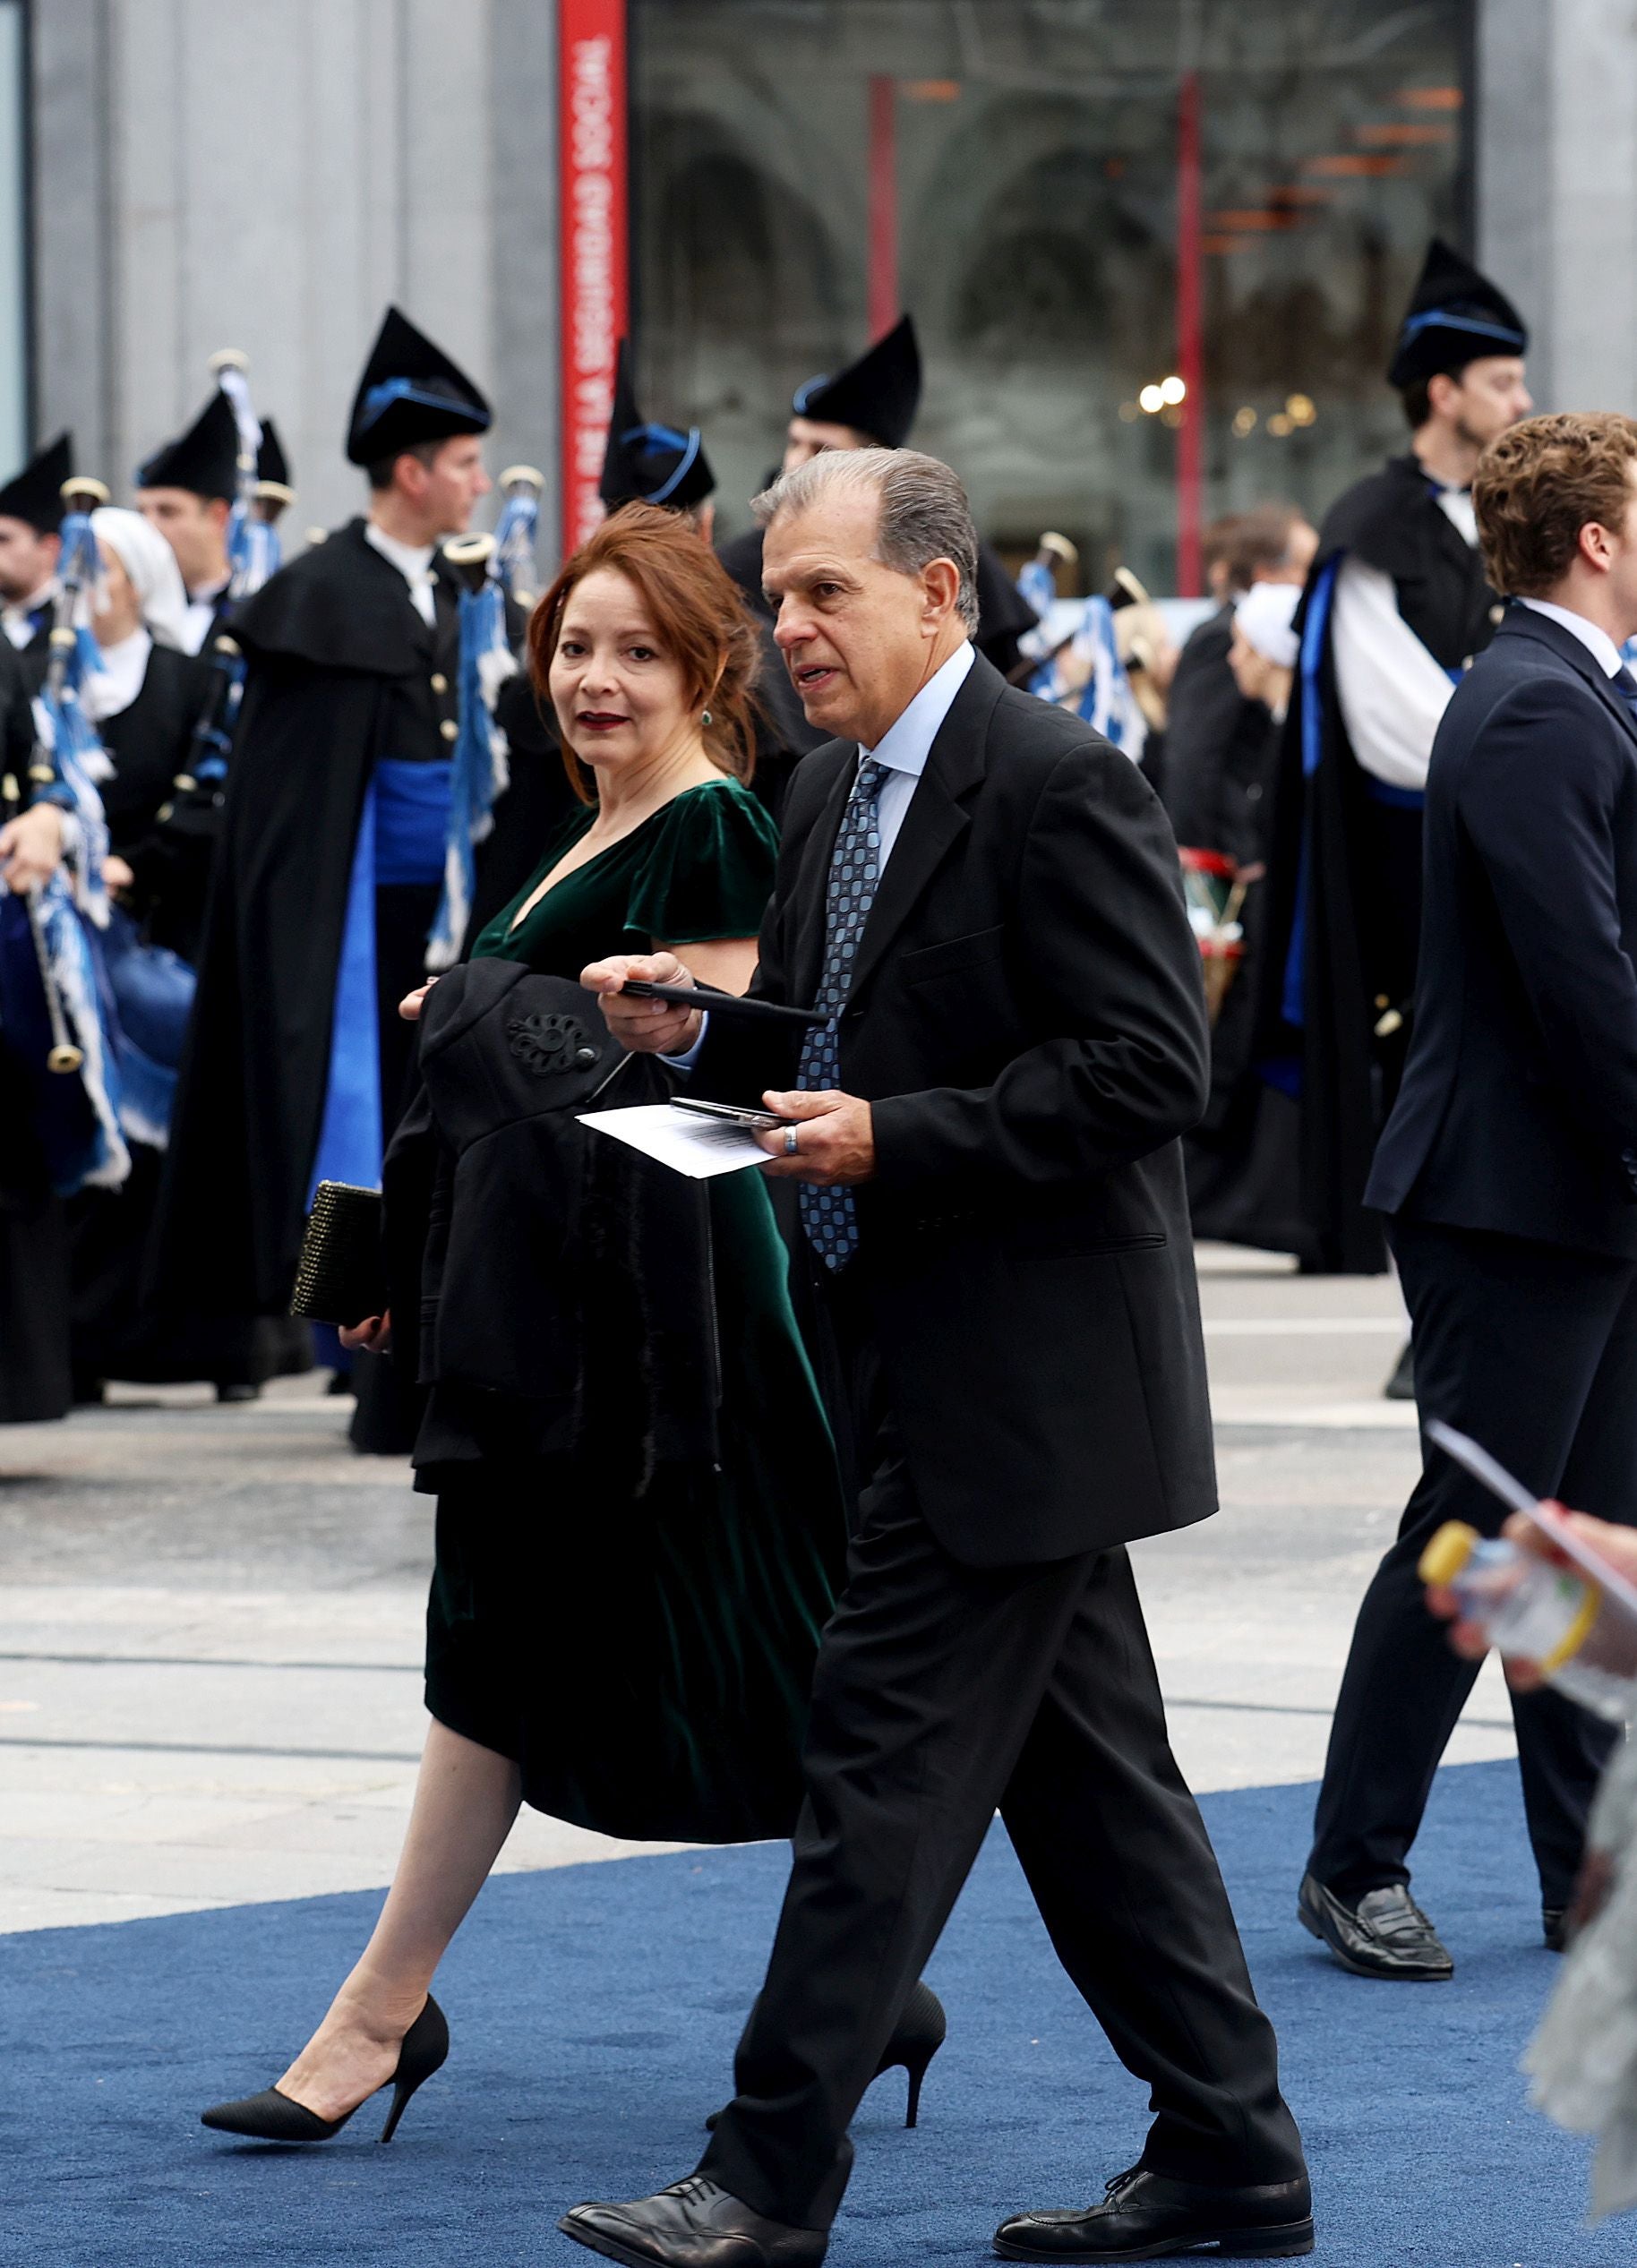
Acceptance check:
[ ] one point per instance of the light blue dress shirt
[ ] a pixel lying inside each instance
(906, 744)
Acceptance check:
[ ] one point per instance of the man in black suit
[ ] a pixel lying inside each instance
(985, 896)
(1509, 1165)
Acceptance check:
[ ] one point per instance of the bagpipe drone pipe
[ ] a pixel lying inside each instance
(490, 570)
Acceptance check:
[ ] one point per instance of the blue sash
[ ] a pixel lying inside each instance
(1311, 696)
(399, 840)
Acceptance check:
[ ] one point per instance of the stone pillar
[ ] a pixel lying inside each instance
(1556, 189)
(269, 177)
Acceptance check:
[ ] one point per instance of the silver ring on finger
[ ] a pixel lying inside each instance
(792, 1146)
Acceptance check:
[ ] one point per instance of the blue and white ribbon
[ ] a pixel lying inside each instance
(514, 539)
(1085, 675)
(479, 769)
(253, 549)
(64, 730)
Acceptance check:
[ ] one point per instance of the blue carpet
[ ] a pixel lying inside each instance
(593, 2012)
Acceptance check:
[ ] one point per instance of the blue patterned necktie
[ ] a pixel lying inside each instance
(830, 1217)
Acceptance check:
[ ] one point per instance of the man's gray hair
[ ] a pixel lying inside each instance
(924, 512)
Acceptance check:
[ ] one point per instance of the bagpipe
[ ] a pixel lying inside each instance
(58, 1014)
(153, 987)
(253, 554)
(489, 572)
(1073, 659)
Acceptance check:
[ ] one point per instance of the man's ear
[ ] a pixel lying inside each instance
(941, 579)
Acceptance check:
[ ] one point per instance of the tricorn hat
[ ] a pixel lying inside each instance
(35, 494)
(204, 460)
(271, 463)
(646, 464)
(878, 395)
(410, 393)
(1455, 315)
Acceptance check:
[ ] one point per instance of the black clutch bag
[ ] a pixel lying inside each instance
(340, 1277)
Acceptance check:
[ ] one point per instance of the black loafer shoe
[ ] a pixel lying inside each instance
(1555, 1926)
(1147, 2216)
(693, 2224)
(1385, 1935)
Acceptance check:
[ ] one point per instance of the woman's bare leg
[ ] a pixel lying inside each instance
(466, 1800)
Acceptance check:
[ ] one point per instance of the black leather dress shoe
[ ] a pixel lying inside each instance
(1385, 1935)
(1554, 1925)
(1148, 2216)
(693, 2224)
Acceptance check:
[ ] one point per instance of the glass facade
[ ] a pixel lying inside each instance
(1078, 201)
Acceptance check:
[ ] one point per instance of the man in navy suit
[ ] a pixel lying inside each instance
(1508, 1167)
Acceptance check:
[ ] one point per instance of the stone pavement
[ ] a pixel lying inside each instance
(209, 1618)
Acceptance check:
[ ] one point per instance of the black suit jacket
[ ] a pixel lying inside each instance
(1027, 1016)
(1518, 1110)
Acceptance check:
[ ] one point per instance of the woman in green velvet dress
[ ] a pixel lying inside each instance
(635, 1660)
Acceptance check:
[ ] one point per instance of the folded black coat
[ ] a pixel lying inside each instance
(540, 1273)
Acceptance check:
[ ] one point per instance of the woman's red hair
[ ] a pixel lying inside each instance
(698, 616)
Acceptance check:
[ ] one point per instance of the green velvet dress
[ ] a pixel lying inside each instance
(645, 1651)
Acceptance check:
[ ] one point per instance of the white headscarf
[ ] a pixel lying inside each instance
(1264, 618)
(150, 563)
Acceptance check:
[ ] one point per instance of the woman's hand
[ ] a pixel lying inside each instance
(31, 847)
(409, 1007)
(373, 1335)
(115, 874)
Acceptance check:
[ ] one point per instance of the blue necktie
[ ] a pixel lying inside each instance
(829, 1216)
(1625, 686)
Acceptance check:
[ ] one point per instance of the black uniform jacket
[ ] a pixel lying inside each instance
(1518, 1110)
(1027, 1016)
(1218, 750)
(342, 671)
(149, 743)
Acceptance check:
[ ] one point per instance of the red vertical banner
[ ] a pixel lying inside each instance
(593, 244)
(1190, 352)
(883, 279)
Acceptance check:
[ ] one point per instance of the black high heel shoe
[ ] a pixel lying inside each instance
(917, 2037)
(272, 2117)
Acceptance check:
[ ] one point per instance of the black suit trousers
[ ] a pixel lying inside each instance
(942, 1692)
(1531, 1349)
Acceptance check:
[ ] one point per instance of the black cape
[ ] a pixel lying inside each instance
(337, 656)
(783, 735)
(166, 835)
(1223, 752)
(34, 1283)
(1353, 861)
(34, 1271)
(150, 743)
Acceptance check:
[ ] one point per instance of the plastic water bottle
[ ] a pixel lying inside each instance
(1584, 1642)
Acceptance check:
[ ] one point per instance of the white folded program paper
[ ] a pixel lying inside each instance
(681, 1139)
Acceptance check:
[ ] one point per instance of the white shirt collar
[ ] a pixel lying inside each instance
(1596, 641)
(118, 677)
(907, 741)
(412, 560)
(14, 615)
